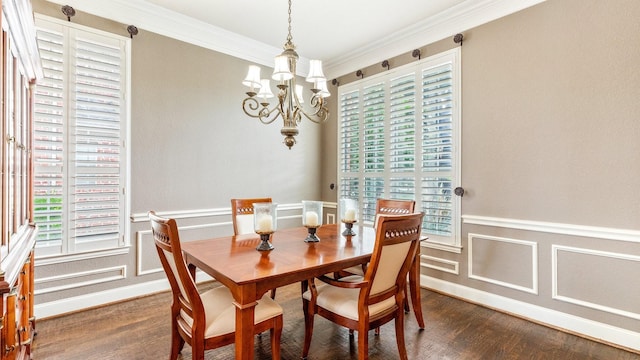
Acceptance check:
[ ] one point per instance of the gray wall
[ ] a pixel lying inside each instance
(550, 165)
(549, 146)
(192, 149)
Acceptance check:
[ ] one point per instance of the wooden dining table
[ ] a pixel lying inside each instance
(249, 273)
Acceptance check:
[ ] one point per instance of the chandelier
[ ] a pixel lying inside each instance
(289, 105)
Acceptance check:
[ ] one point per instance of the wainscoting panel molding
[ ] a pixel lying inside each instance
(578, 288)
(435, 263)
(499, 260)
(556, 228)
(96, 276)
(539, 314)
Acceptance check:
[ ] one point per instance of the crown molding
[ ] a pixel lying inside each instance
(153, 18)
(457, 19)
(150, 17)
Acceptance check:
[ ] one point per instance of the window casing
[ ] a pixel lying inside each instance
(399, 138)
(81, 125)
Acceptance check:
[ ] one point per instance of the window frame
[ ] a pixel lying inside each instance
(68, 247)
(360, 178)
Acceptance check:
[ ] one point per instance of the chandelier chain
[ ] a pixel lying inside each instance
(289, 105)
(289, 37)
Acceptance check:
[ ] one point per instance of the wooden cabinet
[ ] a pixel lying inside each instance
(16, 287)
(20, 67)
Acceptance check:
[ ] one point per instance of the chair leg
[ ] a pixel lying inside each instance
(177, 342)
(406, 299)
(308, 327)
(197, 350)
(276, 335)
(273, 293)
(402, 349)
(363, 344)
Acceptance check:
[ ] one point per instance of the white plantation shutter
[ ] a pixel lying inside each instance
(80, 122)
(437, 149)
(402, 137)
(49, 139)
(350, 145)
(409, 121)
(350, 132)
(374, 104)
(374, 134)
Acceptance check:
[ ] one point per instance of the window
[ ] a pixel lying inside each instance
(399, 139)
(80, 138)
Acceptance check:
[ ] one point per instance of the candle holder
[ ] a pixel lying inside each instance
(312, 219)
(265, 222)
(311, 236)
(348, 231)
(348, 215)
(265, 245)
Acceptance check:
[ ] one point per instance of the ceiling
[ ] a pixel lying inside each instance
(345, 34)
(320, 29)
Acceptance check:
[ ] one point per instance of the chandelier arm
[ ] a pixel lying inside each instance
(320, 113)
(262, 114)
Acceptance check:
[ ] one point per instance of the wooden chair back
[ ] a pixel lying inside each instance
(242, 214)
(397, 240)
(186, 299)
(393, 207)
(204, 320)
(365, 303)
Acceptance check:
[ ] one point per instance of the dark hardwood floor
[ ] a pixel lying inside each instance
(139, 329)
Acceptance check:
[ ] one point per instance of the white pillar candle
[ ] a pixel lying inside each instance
(265, 223)
(350, 215)
(311, 218)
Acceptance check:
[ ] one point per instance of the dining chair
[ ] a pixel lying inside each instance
(362, 303)
(242, 214)
(385, 207)
(204, 320)
(242, 218)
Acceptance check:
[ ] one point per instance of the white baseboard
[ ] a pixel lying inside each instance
(574, 324)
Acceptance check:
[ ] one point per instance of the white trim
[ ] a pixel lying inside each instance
(61, 258)
(331, 219)
(459, 18)
(444, 247)
(140, 253)
(122, 269)
(159, 20)
(534, 263)
(20, 25)
(86, 301)
(554, 279)
(556, 228)
(151, 17)
(198, 213)
(63, 306)
(571, 323)
(454, 264)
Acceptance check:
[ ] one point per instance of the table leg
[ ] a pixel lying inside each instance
(414, 285)
(244, 330)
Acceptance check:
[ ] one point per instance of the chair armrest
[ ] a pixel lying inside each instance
(343, 284)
